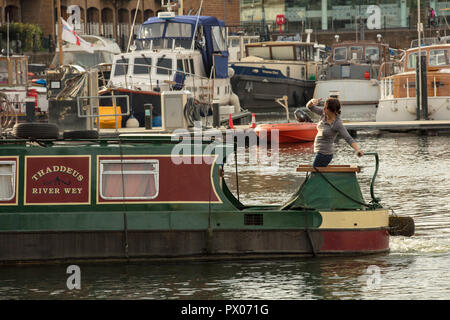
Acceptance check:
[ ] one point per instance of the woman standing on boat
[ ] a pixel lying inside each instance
(329, 125)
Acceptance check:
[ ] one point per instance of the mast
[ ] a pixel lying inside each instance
(132, 27)
(58, 10)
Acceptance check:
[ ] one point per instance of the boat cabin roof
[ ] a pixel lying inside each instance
(281, 50)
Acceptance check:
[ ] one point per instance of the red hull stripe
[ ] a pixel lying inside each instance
(357, 240)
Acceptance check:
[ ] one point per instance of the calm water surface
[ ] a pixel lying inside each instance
(414, 180)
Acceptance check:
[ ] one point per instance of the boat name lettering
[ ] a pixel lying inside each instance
(57, 190)
(70, 171)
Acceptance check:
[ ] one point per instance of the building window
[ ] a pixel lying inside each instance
(7, 180)
(139, 178)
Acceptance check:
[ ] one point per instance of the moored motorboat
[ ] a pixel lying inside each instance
(351, 75)
(398, 93)
(289, 132)
(175, 53)
(272, 69)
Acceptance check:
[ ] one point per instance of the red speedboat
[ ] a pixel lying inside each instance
(290, 132)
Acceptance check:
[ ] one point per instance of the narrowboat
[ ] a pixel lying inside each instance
(142, 196)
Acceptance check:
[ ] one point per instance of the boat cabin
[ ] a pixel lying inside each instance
(356, 59)
(104, 51)
(13, 71)
(182, 52)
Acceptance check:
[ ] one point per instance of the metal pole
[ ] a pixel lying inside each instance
(132, 27)
(58, 10)
(419, 59)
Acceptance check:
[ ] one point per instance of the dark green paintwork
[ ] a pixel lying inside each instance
(181, 216)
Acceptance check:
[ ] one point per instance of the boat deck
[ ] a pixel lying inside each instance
(421, 125)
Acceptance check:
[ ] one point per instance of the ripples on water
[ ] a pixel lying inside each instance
(414, 180)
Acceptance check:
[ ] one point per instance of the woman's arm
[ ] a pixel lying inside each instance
(312, 105)
(339, 126)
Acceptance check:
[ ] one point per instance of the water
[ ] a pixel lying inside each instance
(414, 180)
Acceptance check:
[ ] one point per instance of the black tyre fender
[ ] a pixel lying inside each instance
(80, 134)
(36, 130)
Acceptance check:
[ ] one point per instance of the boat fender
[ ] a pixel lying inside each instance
(36, 130)
(411, 108)
(230, 73)
(234, 100)
(401, 226)
(132, 122)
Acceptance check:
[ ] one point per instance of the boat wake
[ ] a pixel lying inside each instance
(419, 245)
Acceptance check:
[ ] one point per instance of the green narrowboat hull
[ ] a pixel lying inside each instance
(66, 202)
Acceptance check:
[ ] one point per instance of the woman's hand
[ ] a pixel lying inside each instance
(313, 102)
(359, 153)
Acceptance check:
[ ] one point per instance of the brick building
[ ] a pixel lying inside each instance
(99, 17)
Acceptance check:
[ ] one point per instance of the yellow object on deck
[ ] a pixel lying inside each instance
(107, 118)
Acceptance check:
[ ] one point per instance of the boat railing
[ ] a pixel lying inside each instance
(201, 87)
(91, 110)
(389, 68)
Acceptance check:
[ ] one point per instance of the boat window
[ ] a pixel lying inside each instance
(372, 54)
(191, 62)
(340, 53)
(186, 66)
(7, 180)
(262, 52)
(219, 42)
(356, 53)
(13, 71)
(164, 66)
(153, 30)
(283, 53)
(140, 179)
(179, 30)
(3, 72)
(142, 65)
(440, 57)
(121, 67)
(412, 59)
(180, 66)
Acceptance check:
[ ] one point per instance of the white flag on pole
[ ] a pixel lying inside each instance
(69, 35)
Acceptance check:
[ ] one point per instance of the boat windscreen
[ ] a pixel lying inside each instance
(153, 30)
(178, 30)
(84, 58)
(219, 41)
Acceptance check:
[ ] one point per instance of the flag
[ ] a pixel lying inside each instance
(69, 35)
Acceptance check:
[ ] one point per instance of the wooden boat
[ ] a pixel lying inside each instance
(136, 197)
(398, 100)
(351, 74)
(289, 132)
